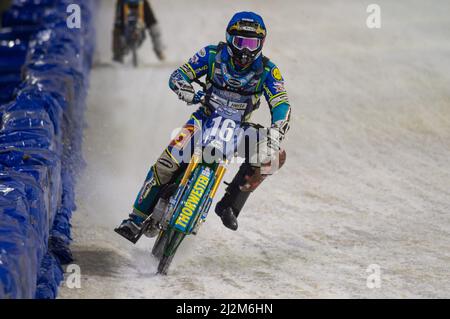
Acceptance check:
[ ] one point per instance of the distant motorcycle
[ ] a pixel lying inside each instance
(134, 28)
(184, 205)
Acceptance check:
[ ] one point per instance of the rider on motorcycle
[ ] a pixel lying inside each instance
(236, 71)
(150, 23)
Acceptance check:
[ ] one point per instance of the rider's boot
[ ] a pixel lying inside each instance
(229, 207)
(131, 228)
(228, 216)
(158, 45)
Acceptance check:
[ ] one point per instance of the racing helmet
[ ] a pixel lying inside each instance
(245, 35)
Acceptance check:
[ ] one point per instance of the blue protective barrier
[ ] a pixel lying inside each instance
(44, 74)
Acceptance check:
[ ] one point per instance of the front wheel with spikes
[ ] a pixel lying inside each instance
(170, 248)
(160, 243)
(164, 264)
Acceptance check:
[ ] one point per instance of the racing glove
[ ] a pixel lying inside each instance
(185, 92)
(282, 127)
(274, 139)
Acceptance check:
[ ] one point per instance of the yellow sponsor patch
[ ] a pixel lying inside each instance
(192, 201)
(276, 74)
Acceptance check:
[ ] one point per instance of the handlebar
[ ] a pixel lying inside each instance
(199, 98)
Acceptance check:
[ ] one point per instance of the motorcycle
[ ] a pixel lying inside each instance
(134, 29)
(183, 206)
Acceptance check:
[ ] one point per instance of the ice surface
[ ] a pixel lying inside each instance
(367, 179)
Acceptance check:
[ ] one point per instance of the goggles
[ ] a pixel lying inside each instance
(241, 43)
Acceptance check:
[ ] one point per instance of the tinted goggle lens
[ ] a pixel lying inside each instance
(252, 44)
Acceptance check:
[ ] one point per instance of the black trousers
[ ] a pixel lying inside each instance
(234, 197)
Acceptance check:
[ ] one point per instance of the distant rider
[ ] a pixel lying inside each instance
(238, 73)
(150, 23)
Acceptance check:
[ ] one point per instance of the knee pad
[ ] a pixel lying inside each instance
(165, 168)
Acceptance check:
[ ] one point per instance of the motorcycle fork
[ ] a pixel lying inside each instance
(220, 173)
(195, 160)
(221, 170)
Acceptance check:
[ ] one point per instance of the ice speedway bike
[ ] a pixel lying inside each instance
(183, 206)
(134, 29)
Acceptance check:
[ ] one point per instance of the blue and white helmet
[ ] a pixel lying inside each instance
(246, 33)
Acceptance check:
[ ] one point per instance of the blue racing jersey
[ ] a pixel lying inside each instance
(240, 89)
